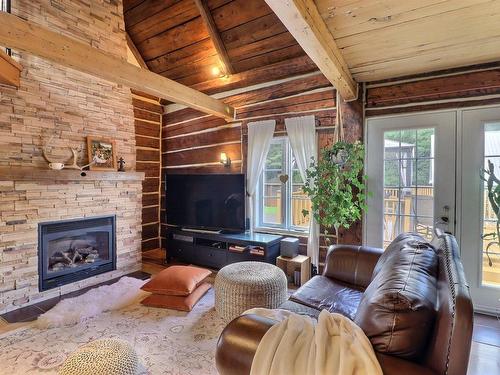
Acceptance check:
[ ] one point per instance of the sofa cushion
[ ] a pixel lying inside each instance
(181, 303)
(397, 310)
(300, 309)
(395, 246)
(323, 293)
(177, 280)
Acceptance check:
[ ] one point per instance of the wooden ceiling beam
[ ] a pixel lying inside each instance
(40, 41)
(10, 70)
(135, 52)
(303, 21)
(207, 17)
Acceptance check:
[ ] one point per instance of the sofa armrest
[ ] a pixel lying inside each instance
(351, 264)
(238, 343)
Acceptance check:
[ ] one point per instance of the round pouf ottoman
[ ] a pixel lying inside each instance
(245, 285)
(102, 357)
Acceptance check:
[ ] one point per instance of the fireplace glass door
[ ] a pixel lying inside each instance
(76, 249)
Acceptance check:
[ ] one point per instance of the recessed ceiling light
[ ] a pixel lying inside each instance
(216, 71)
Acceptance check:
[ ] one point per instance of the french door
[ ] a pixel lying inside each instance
(425, 171)
(479, 241)
(410, 163)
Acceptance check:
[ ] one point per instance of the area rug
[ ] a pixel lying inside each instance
(70, 311)
(167, 341)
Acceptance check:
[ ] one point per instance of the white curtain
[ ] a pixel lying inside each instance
(260, 135)
(302, 135)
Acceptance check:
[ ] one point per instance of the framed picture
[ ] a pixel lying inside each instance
(102, 152)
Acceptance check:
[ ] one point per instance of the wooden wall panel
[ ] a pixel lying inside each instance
(469, 87)
(224, 135)
(205, 155)
(148, 114)
(192, 141)
(193, 127)
(148, 129)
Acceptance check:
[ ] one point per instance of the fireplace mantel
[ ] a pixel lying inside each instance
(37, 174)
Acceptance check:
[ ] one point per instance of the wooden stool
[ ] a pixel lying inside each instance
(300, 263)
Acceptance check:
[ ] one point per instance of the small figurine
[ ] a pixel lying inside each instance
(121, 165)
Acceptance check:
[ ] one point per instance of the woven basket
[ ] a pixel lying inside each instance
(245, 285)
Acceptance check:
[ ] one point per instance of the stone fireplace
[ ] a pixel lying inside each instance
(62, 104)
(73, 250)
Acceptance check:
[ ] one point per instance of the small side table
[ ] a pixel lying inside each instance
(300, 263)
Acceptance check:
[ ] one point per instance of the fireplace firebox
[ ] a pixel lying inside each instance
(73, 250)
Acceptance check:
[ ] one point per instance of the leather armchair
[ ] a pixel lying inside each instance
(348, 272)
(351, 264)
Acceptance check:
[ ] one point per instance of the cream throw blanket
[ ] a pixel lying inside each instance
(298, 345)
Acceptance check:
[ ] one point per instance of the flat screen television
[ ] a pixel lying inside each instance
(206, 201)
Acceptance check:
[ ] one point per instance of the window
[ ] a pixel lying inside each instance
(5, 7)
(280, 198)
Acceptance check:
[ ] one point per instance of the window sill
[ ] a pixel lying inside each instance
(283, 232)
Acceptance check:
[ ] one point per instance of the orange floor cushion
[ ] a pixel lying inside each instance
(177, 280)
(182, 303)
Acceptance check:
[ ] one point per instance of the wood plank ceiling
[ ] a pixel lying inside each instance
(379, 40)
(392, 38)
(174, 41)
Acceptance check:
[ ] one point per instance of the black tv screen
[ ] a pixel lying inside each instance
(206, 201)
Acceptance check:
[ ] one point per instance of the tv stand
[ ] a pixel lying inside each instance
(215, 250)
(202, 231)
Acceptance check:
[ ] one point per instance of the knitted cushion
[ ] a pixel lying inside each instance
(102, 357)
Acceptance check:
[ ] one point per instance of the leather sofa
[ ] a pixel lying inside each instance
(438, 319)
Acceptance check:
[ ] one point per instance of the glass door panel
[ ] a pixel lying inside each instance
(408, 182)
(490, 254)
(413, 154)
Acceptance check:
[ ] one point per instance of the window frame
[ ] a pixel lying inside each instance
(286, 196)
(5, 6)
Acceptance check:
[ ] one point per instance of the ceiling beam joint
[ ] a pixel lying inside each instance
(29, 37)
(304, 22)
(135, 52)
(209, 21)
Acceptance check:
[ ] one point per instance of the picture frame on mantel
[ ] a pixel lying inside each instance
(103, 152)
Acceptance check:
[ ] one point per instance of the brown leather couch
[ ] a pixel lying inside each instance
(415, 307)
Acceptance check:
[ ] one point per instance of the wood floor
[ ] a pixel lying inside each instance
(484, 357)
(485, 352)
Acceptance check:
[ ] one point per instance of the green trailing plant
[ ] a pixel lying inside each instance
(336, 186)
(493, 187)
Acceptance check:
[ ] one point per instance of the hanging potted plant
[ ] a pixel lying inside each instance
(336, 187)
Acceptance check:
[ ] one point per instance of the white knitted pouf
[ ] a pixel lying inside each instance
(245, 285)
(102, 357)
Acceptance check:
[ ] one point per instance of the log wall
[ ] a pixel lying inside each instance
(192, 141)
(147, 119)
(452, 89)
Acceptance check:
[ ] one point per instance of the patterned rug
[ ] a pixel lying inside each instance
(167, 341)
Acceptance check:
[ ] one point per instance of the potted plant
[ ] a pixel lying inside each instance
(336, 186)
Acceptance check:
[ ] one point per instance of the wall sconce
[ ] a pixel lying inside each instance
(224, 159)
